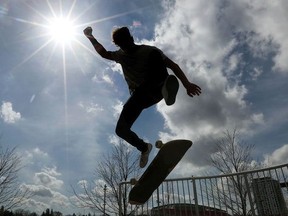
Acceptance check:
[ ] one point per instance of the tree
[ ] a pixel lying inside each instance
(103, 195)
(233, 156)
(11, 194)
(49, 212)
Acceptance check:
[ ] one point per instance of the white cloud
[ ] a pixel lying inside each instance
(47, 191)
(59, 200)
(44, 197)
(36, 205)
(279, 156)
(234, 61)
(47, 177)
(35, 156)
(8, 114)
(83, 183)
(204, 48)
(255, 73)
(91, 108)
(114, 140)
(116, 68)
(107, 79)
(104, 77)
(38, 190)
(258, 118)
(51, 171)
(269, 19)
(117, 108)
(38, 152)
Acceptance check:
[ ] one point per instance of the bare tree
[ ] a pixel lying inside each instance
(103, 195)
(233, 156)
(11, 194)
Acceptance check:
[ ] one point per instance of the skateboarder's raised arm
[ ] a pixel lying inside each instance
(192, 89)
(97, 46)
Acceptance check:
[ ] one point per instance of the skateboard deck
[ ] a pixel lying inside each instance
(166, 159)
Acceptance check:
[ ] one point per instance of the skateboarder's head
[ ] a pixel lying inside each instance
(122, 37)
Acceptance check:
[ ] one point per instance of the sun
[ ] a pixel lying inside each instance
(62, 30)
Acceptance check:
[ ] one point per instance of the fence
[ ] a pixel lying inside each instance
(260, 192)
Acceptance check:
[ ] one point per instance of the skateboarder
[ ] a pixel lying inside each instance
(145, 71)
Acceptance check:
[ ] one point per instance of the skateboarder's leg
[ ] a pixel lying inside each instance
(159, 75)
(123, 129)
(131, 111)
(138, 101)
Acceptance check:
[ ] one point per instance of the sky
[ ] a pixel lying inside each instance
(59, 101)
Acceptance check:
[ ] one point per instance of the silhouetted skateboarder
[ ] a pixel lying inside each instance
(145, 71)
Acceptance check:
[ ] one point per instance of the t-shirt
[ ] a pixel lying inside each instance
(135, 65)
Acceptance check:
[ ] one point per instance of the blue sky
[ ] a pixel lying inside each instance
(60, 101)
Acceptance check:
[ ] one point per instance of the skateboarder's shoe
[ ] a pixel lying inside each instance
(145, 156)
(170, 89)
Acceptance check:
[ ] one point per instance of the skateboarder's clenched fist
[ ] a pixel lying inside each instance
(88, 31)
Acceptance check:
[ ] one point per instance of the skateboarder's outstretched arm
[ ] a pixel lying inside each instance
(192, 89)
(97, 46)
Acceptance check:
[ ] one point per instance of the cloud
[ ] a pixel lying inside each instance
(91, 108)
(59, 200)
(38, 190)
(36, 205)
(44, 197)
(205, 39)
(269, 19)
(36, 152)
(8, 114)
(105, 77)
(83, 183)
(51, 171)
(36, 157)
(47, 177)
(117, 108)
(47, 191)
(279, 156)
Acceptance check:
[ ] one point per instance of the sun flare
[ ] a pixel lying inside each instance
(62, 30)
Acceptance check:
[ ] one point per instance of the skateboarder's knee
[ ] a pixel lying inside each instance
(120, 130)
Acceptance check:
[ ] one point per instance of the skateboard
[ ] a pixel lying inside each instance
(166, 159)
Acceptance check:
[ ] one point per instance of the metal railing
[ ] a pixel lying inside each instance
(259, 192)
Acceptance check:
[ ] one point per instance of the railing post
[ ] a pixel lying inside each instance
(249, 194)
(195, 196)
(120, 199)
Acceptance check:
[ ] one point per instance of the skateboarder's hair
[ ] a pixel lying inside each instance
(122, 36)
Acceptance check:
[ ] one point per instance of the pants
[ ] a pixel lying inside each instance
(145, 96)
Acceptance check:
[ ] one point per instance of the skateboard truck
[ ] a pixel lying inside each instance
(159, 144)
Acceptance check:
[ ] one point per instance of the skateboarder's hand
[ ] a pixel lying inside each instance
(88, 31)
(193, 89)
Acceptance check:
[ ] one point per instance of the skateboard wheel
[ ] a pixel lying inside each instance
(159, 144)
(133, 181)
